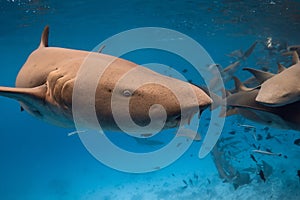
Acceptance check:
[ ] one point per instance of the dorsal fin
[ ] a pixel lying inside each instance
(239, 86)
(295, 59)
(260, 75)
(44, 38)
(280, 68)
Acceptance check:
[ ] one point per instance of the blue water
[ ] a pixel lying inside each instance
(39, 161)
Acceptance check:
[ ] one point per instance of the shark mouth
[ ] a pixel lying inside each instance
(183, 118)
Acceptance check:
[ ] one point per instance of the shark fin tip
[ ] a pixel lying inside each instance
(44, 38)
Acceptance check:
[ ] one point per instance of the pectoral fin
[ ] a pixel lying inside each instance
(24, 94)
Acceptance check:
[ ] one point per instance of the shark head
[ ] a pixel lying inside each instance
(132, 97)
(277, 94)
(149, 97)
(281, 89)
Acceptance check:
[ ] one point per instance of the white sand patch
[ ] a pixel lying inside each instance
(199, 188)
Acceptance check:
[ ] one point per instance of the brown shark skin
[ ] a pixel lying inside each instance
(46, 81)
(283, 88)
(244, 101)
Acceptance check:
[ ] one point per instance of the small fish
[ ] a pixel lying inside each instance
(227, 138)
(247, 128)
(196, 176)
(184, 71)
(208, 181)
(259, 137)
(269, 136)
(298, 174)
(279, 141)
(253, 158)
(232, 132)
(75, 132)
(266, 128)
(185, 184)
(262, 175)
(254, 145)
(297, 142)
(266, 152)
(191, 182)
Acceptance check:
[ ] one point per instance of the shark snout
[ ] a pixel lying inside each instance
(274, 99)
(171, 106)
(264, 100)
(272, 102)
(202, 98)
(187, 110)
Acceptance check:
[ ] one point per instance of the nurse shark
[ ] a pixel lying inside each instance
(243, 102)
(282, 88)
(45, 84)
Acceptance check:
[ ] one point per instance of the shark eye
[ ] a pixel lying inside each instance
(127, 93)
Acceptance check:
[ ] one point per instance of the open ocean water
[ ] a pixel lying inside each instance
(40, 161)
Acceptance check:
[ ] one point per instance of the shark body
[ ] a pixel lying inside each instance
(45, 84)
